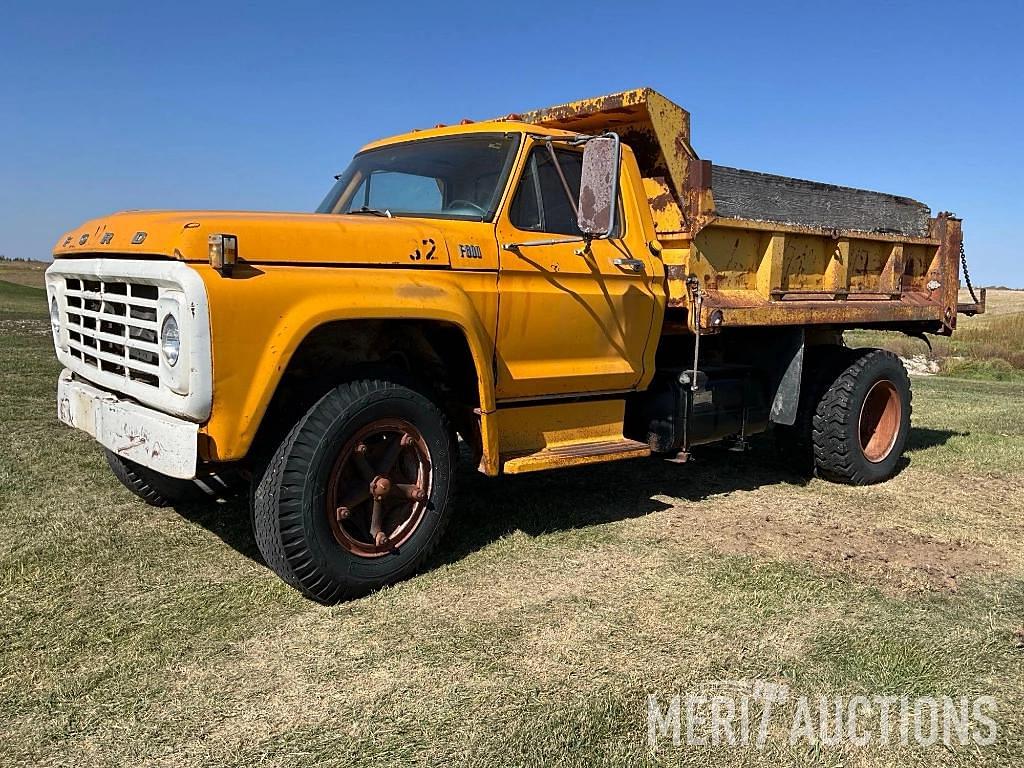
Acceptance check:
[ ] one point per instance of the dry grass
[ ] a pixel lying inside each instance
(988, 346)
(23, 272)
(998, 338)
(134, 636)
(1000, 301)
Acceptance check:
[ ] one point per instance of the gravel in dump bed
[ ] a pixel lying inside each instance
(741, 194)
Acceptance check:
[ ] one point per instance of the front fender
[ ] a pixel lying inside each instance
(259, 317)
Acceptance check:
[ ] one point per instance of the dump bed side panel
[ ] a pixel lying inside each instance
(761, 273)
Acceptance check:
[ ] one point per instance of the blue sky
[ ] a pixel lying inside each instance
(108, 106)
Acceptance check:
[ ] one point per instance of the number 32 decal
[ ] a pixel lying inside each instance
(429, 255)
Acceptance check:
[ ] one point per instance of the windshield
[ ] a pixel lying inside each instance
(457, 177)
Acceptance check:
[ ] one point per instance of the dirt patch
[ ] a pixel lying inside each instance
(920, 365)
(34, 327)
(891, 556)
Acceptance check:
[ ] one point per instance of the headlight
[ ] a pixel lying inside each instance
(170, 340)
(55, 317)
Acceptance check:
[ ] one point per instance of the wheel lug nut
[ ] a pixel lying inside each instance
(343, 513)
(361, 448)
(380, 539)
(406, 440)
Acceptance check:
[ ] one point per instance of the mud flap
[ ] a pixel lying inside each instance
(787, 391)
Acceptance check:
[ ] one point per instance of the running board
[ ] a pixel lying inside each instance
(564, 434)
(574, 454)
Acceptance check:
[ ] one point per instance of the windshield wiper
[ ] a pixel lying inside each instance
(372, 211)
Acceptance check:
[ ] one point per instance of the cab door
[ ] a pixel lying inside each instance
(568, 323)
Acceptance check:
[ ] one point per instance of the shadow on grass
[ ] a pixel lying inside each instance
(229, 521)
(921, 438)
(579, 497)
(487, 509)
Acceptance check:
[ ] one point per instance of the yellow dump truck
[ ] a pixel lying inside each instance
(553, 288)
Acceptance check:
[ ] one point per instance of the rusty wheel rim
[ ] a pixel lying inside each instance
(880, 420)
(378, 489)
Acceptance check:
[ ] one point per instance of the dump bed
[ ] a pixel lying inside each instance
(756, 249)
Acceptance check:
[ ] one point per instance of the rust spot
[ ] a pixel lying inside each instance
(662, 201)
(698, 175)
(65, 411)
(750, 299)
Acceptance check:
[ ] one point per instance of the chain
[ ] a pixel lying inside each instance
(967, 275)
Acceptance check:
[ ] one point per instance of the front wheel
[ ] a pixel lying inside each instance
(155, 489)
(862, 420)
(357, 495)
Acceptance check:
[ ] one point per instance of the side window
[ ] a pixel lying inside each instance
(540, 203)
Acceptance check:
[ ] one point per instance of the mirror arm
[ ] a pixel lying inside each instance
(561, 176)
(585, 250)
(575, 140)
(516, 246)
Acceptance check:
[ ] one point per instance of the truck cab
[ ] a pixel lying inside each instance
(508, 194)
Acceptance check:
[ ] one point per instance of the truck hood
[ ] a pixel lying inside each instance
(262, 237)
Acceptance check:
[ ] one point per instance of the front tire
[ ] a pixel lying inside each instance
(862, 421)
(357, 495)
(155, 489)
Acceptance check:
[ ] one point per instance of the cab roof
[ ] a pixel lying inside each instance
(468, 128)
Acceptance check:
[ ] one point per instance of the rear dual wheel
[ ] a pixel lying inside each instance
(357, 495)
(861, 421)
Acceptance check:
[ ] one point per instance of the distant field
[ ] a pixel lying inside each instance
(558, 602)
(23, 272)
(987, 346)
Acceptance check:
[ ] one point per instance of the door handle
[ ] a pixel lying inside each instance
(633, 265)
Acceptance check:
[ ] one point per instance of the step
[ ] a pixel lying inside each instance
(573, 454)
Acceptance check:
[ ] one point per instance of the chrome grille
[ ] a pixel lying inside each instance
(112, 326)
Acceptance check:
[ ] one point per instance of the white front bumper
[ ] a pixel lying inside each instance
(153, 439)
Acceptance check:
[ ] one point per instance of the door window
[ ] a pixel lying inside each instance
(540, 203)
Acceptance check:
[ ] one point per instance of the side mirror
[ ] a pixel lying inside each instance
(599, 186)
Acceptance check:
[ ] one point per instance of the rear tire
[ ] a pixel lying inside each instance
(155, 489)
(861, 422)
(381, 452)
(821, 366)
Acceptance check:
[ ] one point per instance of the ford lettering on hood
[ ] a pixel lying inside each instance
(263, 238)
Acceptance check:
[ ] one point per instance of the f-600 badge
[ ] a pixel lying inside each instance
(470, 252)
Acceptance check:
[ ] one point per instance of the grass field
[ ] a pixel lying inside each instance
(23, 272)
(135, 636)
(988, 346)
